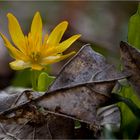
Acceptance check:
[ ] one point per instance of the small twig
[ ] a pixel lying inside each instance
(19, 96)
(73, 118)
(3, 129)
(66, 116)
(48, 128)
(34, 131)
(7, 133)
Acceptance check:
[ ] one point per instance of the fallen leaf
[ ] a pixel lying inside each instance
(86, 66)
(53, 127)
(131, 61)
(83, 85)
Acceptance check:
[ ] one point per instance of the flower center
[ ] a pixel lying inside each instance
(35, 56)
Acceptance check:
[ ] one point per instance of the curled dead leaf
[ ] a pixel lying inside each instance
(131, 61)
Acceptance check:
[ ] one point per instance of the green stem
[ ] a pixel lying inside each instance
(115, 98)
(34, 79)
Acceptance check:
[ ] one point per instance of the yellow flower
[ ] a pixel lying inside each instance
(30, 51)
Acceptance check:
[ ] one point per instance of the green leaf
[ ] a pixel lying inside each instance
(44, 81)
(134, 29)
(129, 121)
(77, 124)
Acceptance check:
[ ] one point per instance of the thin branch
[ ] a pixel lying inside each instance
(7, 133)
(49, 131)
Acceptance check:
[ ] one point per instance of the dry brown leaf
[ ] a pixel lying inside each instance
(131, 60)
(83, 85)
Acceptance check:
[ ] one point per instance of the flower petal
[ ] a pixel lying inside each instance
(36, 27)
(45, 40)
(19, 65)
(66, 44)
(57, 33)
(16, 32)
(61, 47)
(54, 59)
(37, 67)
(15, 53)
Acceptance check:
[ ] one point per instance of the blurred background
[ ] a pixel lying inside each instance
(102, 24)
